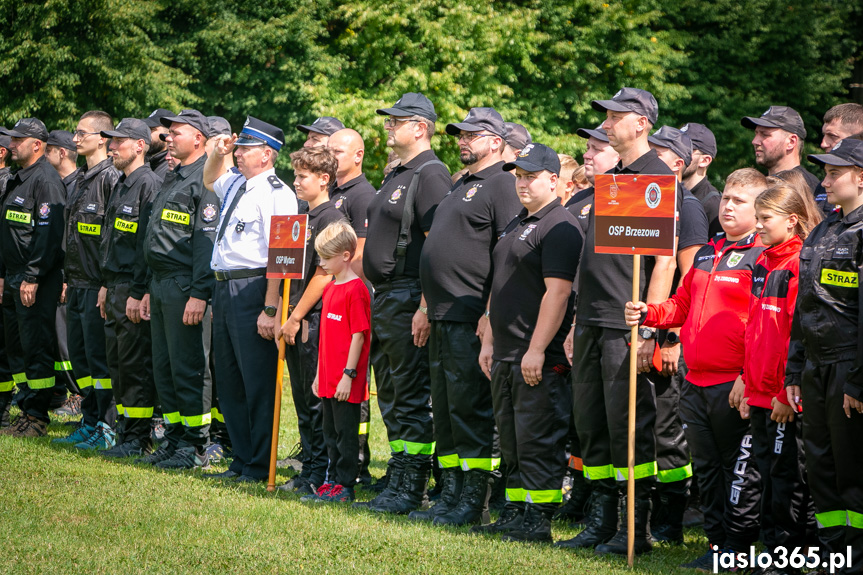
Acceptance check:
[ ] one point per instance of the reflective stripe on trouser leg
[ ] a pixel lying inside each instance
(673, 459)
(6, 386)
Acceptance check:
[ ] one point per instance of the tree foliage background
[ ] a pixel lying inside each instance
(539, 62)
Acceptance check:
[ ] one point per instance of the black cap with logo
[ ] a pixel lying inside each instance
(847, 152)
(702, 138)
(219, 126)
(154, 120)
(535, 158)
(326, 125)
(634, 100)
(598, 133)
(192, 117)
(27, 128)
(129, 128)
(516, 135)
(61, 139)
(778, 117)
(676, 140)
(411, 104)
(477, 120)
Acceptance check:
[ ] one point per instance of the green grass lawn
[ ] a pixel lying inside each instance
(63, 511)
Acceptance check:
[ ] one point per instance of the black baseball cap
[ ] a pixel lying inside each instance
(219, 126)
(778, 117)
(192, 117)
(411, 104)
(847, 152)
(61, 139)
(702, 138)
(674, 139)
(598, 133)
(259, 133)
(477, 120)
(5, 141)
(326, 125)
(27, 128)
(154, 120)
(516, 135)
(129, 128)
(634, 100)
(535, 158)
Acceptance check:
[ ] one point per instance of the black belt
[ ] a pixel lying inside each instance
(239, 274)
(397, 283)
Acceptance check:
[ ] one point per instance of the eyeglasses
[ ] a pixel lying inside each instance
(390, 122)
(470, 138)
(80, 134)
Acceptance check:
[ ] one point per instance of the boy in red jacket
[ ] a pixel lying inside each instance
(784, 219)
(712, 306)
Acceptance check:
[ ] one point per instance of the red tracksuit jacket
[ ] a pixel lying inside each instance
(712, 306)
(771, 308)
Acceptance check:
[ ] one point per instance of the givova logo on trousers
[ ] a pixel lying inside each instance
(740, 468)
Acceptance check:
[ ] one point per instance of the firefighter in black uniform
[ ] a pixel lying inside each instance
(455, 269)
(124, 275)
(695, 175)
(156, 157)
(177, 248)
(824, 372)
(400, 325)
(6, 382)
(85, 334)
(31, 256)
(530, 310)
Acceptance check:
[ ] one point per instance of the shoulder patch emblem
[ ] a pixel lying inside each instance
(209, 213)
(470, 194)
(44, 210)
(734, 259)
(526, 232)
(308, 233)
(586, 209)
(394, 197)
(339, 202)
(275, 182)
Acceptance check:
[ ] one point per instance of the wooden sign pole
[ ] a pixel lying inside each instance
(277, 410)
(633, 378)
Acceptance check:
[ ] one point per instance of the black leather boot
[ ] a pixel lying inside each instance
(670, 528)
(452, 479)
(510, 519)
(536, 525)
(617, 544)
(395, 471)
(472, 507)
(412, 487)
(603, 509)
(573, 511)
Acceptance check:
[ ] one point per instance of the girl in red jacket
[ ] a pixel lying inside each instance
(784, 220)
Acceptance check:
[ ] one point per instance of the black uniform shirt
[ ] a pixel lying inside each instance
(126, 219)
(826, 327)
(693, 225)
(5, 176)
(709, 198)
(455, 265)
(352, 199)
(319, 218)
(605, 280)
(385, 217)
(182, 229)
(545, 245)
(85, 223)
(31, 225)
(159, 164)
(70, 182)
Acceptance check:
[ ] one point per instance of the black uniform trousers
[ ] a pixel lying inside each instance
(85, 337)
(30, 344)
(218, 429)
(673, 460)
(600, 392)
(302, 361)
(728, 480)
(62, 364)
(341, 421)
(533, 422)
(130, 360)
(7, 381)
(462, 407)
(247, 365)
(178, 364)
(401, 368)
(834, 451)
(787, 514)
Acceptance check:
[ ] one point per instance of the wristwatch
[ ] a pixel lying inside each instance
(646, 333)
(352, 373)
(270, 311)
(672, 338)
(425, 310)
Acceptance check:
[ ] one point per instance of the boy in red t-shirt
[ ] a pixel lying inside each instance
(343, 359)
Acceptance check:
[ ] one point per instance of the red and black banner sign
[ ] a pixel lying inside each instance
(287, 251)
(635, 214)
